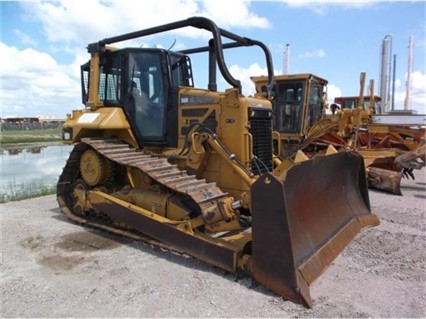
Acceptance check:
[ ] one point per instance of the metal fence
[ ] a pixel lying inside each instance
(30, 126)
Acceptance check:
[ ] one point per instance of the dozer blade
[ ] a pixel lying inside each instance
(301, 225)
(385, 180)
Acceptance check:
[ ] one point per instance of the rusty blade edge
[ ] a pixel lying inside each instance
(318, 262)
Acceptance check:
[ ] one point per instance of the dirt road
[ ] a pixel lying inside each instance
(53, 268)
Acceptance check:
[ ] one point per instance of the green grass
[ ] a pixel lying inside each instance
(30, 136)
(25, 191)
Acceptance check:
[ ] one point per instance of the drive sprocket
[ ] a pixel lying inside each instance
(94, 168)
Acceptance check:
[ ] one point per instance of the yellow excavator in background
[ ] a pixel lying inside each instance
(299, 103)
(193, 169)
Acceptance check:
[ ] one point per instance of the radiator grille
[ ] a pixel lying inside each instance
(261, 129)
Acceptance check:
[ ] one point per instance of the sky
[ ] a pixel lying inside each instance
(43, 44)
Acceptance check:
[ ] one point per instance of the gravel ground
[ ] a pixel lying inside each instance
(53, 268)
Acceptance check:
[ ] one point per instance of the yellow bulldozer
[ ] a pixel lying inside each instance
(193, 170)
(301, 122)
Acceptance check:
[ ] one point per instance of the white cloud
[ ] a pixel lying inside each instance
(244, 74)
(319, 53)
(237, 14)
(25, 38)
(321, 7)
(417, 93)
(332, 92)
(68, 21)
(33, 83)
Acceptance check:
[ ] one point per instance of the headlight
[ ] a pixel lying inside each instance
(67, 134)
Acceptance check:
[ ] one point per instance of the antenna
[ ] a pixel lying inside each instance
(173, 44)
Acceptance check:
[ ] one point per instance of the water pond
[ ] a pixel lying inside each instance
(31, 169)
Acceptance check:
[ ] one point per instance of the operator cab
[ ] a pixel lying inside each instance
(289, 107)
(298, 103)
(145, 83)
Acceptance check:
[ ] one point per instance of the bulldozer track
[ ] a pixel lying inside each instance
(160, 170)
(204, 194)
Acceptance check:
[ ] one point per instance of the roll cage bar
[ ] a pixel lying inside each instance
(215, 47)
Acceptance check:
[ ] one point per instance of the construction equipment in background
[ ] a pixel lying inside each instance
(299, 103)
(412, 160)
(352, 102)
(193, 170)
(402, 129)
(397, 134)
